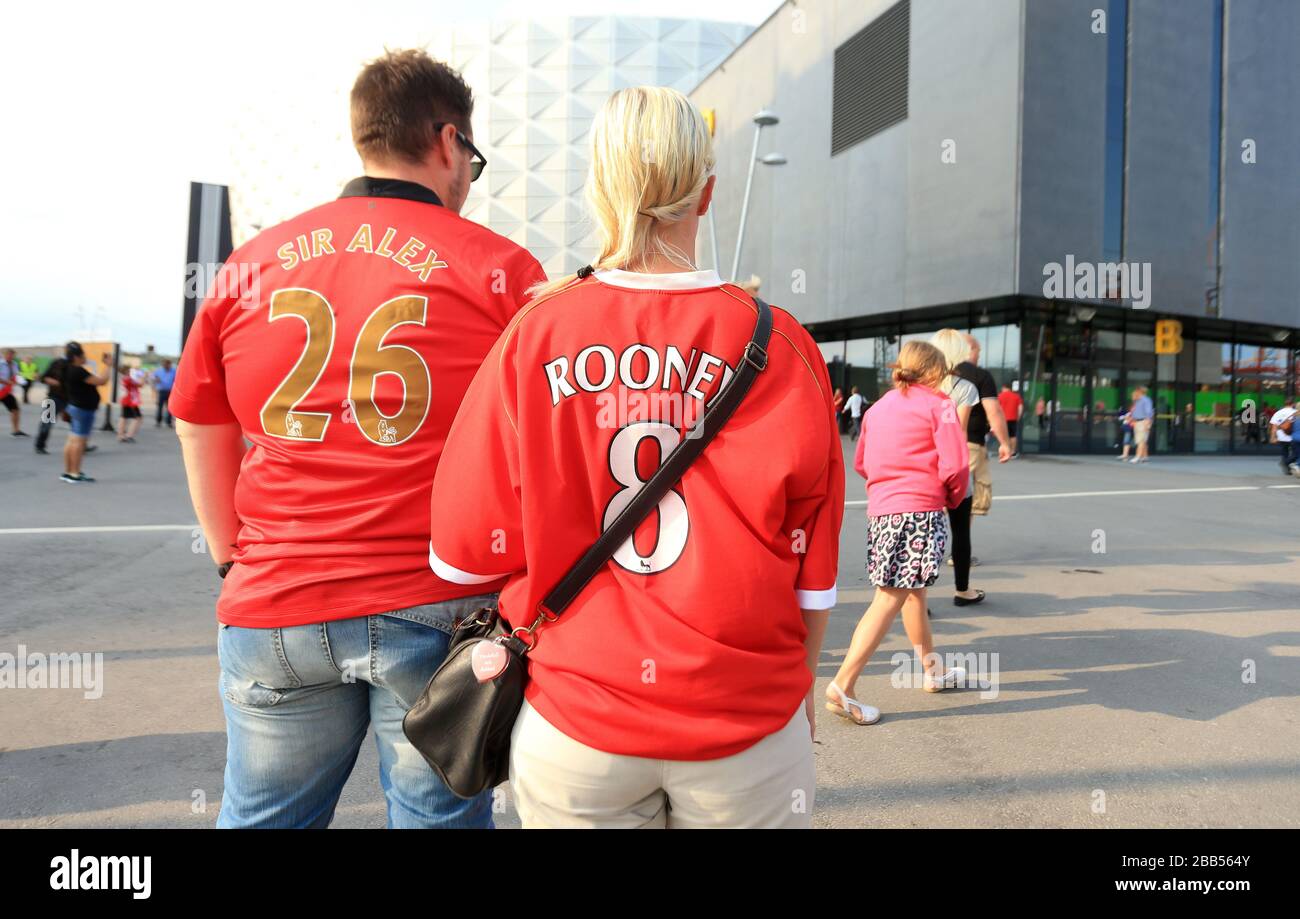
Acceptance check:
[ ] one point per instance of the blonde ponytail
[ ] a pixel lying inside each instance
(919, 363)
(651, 156)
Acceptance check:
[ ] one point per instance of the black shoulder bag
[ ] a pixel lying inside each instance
(462, 722)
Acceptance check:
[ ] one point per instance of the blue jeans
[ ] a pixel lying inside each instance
(83, 420)
(298, 701)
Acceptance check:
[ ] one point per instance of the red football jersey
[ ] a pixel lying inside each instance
(688, 644)
(343, 342)
(130, 390)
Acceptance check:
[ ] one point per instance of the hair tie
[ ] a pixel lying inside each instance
(586, 271)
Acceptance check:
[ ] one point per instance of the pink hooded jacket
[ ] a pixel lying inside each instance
(912, 452)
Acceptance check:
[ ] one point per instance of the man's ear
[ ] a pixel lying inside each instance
(444, 147)
(706, 197)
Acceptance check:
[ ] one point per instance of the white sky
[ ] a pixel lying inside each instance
(111, 109)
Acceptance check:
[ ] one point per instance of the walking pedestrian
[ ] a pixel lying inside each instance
(1126, 435)
(9, 378)
(854, 408)
(55, 405)
(81, 386)
(985, 418)
(1012, 407)
(163, 379)
(955, 348)
(129, 424)
(1141, 416)
(1283, 429)
(914, 458)
(28, 374)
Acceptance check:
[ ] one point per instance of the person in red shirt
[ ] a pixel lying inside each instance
(129, 424)
(339, 345)
(676, 690)
(9, 378)
(1012, 406)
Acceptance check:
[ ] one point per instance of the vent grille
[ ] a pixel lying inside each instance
(870, 83)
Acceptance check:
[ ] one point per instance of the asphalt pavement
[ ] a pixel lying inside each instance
(1141, 637)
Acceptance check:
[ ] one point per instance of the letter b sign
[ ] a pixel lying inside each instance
(1169, 337)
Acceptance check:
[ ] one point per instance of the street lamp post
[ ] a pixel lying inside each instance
(761, 120)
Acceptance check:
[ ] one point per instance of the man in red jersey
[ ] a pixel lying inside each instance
(339, 345)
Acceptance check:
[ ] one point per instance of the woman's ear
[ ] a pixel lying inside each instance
(706, 197)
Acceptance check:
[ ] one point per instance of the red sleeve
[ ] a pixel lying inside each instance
(476, 516)
(522, 273)
(199, 393)
(954, 458)
(822, 511)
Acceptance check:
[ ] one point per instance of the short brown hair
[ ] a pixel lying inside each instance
(919, 362)
(397, 100)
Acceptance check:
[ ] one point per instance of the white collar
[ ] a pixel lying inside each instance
(675, 280)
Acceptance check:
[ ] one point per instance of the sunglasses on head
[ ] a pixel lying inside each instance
(477, 161)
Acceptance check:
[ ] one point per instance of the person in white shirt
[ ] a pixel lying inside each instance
(854, 407)
(1285, 425)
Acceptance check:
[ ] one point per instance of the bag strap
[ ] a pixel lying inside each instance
(752, 362)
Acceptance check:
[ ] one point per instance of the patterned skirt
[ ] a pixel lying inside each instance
(906, 551)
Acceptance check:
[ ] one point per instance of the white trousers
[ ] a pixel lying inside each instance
(560, 783)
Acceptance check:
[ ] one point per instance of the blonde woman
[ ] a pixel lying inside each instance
(912, 453)
(955, 348)
(676, 690)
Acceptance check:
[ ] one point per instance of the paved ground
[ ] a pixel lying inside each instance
(1121, 673)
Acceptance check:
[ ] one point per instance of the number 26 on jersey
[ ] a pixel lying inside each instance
(371, 358)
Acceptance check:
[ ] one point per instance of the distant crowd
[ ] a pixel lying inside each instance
(73, 394)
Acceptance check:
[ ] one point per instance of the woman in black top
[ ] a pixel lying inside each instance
(80, 389)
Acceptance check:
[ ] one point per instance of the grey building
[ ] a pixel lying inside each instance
(1105, 192)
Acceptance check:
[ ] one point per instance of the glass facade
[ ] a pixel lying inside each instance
(1076, 366)
(1213, 399)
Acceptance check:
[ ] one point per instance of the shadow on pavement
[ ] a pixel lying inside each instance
(1182, 673)
(80, 778)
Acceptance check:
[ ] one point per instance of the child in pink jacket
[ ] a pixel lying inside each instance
(912, 452)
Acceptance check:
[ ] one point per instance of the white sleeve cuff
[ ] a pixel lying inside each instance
(816, 599)
(455, 575)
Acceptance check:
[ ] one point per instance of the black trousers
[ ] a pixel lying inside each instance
(959, 517)
(163, 395)
(43, 433)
